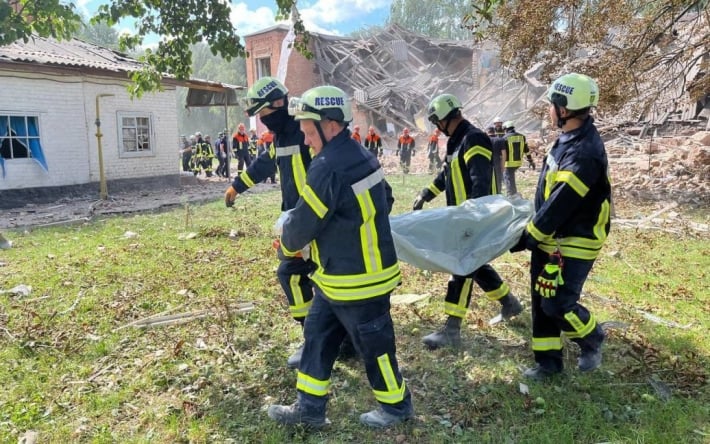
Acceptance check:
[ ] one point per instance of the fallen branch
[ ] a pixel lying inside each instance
(181, 318)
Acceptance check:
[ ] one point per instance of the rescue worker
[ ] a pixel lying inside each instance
(343, 215)
(373, 142)
(516, 145)
(240, 147)
(185, 153)
(468, 174)
(433, 151)
(221, 154)
(194, 161)
(498, 126)
(405, 150)
(356, 134)
(253, 144)
(570, 224)
(268, 98)
(202, 159)
(267, 138)
(498, 144)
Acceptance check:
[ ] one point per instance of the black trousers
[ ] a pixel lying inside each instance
(561, 314)
(458, 292)
(293, 274)
(369, 324)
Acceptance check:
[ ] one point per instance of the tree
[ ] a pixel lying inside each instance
(181, 25)
(99, 34)
(637, 50)
(20, 18)
(434, 18)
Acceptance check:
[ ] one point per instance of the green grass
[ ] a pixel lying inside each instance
(70, 375)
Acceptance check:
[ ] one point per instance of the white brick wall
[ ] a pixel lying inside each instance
(66, 106)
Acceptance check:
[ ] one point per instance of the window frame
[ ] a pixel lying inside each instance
(122, 151)
(263, 64)
(24, 139)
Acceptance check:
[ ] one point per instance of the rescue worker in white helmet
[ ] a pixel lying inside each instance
(498, 126)
(467, 174)
(343, 215)
(516, 145)
(567, 231)
(268, 99)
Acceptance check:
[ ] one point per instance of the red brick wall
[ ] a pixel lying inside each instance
(300, 75)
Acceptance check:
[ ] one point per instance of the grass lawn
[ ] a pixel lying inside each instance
(72, 374)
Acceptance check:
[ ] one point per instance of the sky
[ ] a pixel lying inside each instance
(338, 17)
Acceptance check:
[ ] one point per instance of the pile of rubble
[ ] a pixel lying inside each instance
(673, 168)
(676, 167)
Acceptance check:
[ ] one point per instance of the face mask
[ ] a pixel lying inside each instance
(276, 120)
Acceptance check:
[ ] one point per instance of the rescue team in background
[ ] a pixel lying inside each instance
(197, 152)
(338, 262)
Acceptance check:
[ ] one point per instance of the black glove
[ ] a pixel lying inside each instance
(418, 203)
(526, 242)
(531, 163)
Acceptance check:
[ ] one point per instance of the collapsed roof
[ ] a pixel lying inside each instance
(394, 73)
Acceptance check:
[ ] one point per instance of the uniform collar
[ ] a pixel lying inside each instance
(569, 136)
(460, 131)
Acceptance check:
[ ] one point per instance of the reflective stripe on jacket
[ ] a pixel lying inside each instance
(292, 157)
(573, 197)
(343, 215)
(516, 146)
(468, 172)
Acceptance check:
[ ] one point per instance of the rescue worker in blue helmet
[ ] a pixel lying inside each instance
(343, 214)
(467, 174)
(567, 231)
(268, 99)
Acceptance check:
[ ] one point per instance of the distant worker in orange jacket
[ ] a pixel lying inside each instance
(373, 142)
(240, 148)
(405, 150)
(433, 151)
(356, 134)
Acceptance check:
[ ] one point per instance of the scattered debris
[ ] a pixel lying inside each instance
(160, 321)
(21, 290)
(29, 437)
(409, 298)
(4, 243)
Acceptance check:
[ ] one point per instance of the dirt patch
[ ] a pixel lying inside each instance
(80, 209)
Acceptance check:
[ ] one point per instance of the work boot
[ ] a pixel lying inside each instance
(540, 372)
(293, 415)
(378, 418)
(295, 359)
(450, 335)
(510, 306)
(591, 359)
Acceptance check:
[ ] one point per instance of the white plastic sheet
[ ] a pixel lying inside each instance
(459, 240)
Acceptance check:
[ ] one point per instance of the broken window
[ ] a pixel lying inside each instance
(20, 139)
(263, 67)
(135, 134)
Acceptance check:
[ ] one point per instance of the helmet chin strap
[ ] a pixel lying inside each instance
(445, 129)
(320, 132)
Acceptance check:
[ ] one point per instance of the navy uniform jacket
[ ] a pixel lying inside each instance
(468, 172)
(515, 146)
(572, 200)
(292, 157)
(343, 214)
